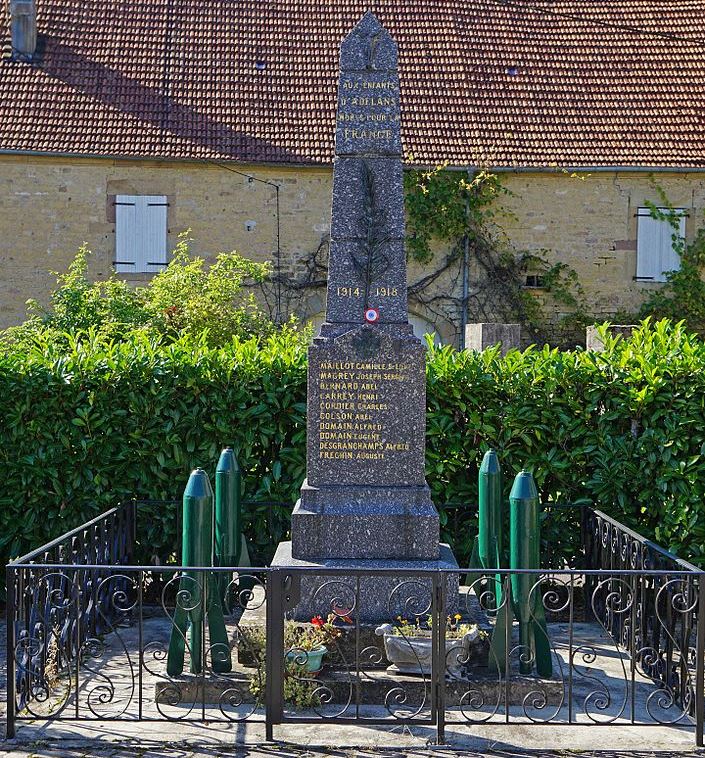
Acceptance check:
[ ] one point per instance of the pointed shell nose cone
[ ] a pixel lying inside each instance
(227, 462)
(198, 484)
(524, 487)
(490, 463)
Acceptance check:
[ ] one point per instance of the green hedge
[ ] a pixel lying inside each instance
(86, 426)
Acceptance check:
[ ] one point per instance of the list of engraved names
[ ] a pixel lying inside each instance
(355, 410)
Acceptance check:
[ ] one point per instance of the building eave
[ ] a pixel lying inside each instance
(545, 169)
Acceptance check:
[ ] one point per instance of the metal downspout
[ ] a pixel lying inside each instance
(466, 277)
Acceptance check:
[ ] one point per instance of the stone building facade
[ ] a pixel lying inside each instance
(154, 113)
(50, 206)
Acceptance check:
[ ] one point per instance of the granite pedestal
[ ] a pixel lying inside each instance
(380, 598)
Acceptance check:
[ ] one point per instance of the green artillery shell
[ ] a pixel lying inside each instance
(228, 513)
(490, 511)
(523, 540)
(197, 536)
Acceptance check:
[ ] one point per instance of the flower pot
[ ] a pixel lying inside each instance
(310, 661)
(413, 655)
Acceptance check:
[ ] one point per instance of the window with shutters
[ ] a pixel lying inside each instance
(655, 252)
(140, 233)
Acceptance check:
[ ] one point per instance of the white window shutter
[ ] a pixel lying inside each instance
(670, 260)
(655, 253)
(155, 233)
(140, 233)
(125, 234)
(648, 246)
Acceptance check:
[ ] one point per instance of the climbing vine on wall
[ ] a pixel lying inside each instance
(445, 208)
(462, 209)
(446, 205)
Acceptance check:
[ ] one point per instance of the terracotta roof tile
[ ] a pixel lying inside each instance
(506, 83)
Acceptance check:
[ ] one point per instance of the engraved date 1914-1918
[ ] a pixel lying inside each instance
(359, 292)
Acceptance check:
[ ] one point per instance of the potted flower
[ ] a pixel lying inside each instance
(408, 645)
(306, 645)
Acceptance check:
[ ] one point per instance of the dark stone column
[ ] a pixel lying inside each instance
(365, 500)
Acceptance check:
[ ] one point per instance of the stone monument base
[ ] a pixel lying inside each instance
(380, 599)
(362, 522)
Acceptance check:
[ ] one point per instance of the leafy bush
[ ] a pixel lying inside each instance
(92, 421)
(187, 297)
(623, 430)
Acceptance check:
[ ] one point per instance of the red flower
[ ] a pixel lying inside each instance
(317, 621)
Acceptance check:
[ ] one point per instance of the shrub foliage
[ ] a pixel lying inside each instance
(188, 297)
(90, 421)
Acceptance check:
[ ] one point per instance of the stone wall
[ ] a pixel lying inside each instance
(50, 206)
(589, 222)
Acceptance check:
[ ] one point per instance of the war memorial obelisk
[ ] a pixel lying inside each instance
(365, 502)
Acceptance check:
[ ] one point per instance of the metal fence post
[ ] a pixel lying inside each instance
(700, 665)
(140, 633)
(10, 578)
(76, 651)
(274, 655)
(589, 584)
(439, 660)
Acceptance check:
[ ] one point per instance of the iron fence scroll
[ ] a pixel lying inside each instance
(89, 639)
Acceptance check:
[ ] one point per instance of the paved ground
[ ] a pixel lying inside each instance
(145, 749)
(42, 739)
(113, 739)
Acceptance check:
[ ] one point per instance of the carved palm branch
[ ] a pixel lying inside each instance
(370, 261)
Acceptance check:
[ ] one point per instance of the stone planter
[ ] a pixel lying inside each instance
(412, 655)
(311, 661)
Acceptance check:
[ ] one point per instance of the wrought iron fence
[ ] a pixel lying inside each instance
(663, 615)
(89, 636)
